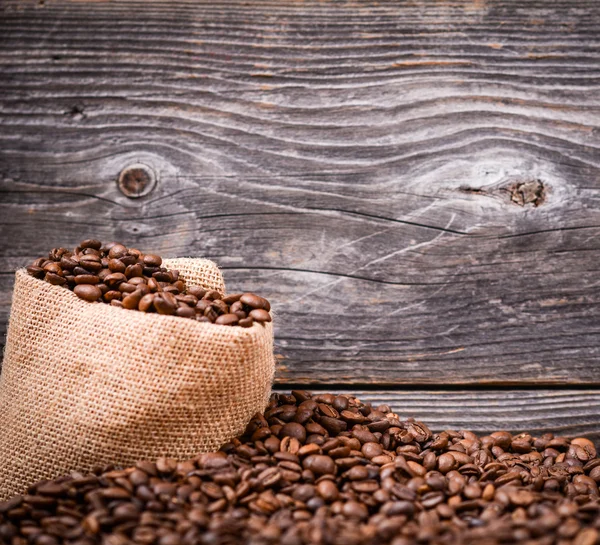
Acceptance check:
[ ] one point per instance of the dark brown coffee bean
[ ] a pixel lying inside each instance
(117, 251)
(259, 315)
(185, 312)
(211, 314)
(36, 272)
(114, 279)
(88, 292)
(220, 307)
(246, 322)
(109, 295)
(196, 291)
(189, 300)
(226, 319)
(89, 263)
(320, 464)
(333, 425)
(212, 295)
(255, 301)
(162, 276)
(230, 299)
(126, 287)
(163, 305)
(55, 279)
(146, 303)
(91, 243)
(152, 260)
(53, 268)
(328, 490)
(68, 262)
(446, 463)
(87, 279)
(131, 301)
(116, 265)
(293, 429)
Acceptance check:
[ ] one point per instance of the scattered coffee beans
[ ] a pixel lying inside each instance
(326, 469)
(127, 278)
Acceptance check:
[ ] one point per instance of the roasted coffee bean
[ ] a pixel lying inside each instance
(131, 301)
(114, 279)
(255, 301)
(163, 305)
(117, 251)
(260, 315)
(288, 480)
(116, 265)
(232, 298)
(53, 268)
(55, 279)
(88, 292)
(152, 260)
(128, 279)
(87, 279)
(227, 319)
(36, 272)
(91, 243)
(293, 429)
(185, 312)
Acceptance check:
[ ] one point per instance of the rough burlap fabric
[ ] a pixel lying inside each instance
(85, 384)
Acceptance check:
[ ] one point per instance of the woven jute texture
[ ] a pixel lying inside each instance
(85, 384)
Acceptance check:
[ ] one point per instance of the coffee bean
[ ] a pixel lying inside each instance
(53, 268)
(116, 265)
(220, 307)
(185, 312)
(293, 429)
(114, 279)
(196, 291)
(117, 251)
(133, 271)
(260, 315)
(163, 305)
(355, 510)
(131, 301)
(227, 319)
(55, 279)
(87, 279)
(319, 464)
(152, 260)
(87, 292)
(255, 301)
(91, 243)
(36, 272)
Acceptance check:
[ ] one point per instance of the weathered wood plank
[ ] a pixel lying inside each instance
(356, 163)
(570, 413)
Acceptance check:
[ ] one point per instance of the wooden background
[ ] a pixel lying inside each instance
(414, 185)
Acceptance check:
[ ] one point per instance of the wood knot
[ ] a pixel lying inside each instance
(532, 192)
(136, 180)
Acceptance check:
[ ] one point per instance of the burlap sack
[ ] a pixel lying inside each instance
(85, 384)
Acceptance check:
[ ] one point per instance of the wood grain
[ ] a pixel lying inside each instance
(354, 162)
(566, 412)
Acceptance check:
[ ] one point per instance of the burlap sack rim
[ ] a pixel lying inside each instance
(150, 317)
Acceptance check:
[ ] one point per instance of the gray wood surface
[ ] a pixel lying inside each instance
(566, 412)
(413, 185)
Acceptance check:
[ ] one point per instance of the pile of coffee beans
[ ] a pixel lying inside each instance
(326, 469)
(127, 278)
